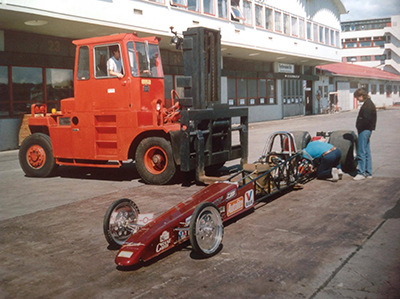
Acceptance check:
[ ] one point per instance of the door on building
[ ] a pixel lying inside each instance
(308, 98)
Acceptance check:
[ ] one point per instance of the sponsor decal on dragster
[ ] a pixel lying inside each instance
(218, 201)
(182, 234)
(231, 194)
(143, 219)
(234, 206)
(248, 199)
(165, 241)
(132, 244)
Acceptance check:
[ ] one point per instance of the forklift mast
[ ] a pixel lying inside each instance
(206, 124)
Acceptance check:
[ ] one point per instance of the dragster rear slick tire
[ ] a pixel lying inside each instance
(206, 230)
(346, 142)
(120, 214)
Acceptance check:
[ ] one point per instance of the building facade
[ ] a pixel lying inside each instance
(373, 43)
(269, 48)
(338, 82)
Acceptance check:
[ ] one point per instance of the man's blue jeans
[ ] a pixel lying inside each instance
(364, 153)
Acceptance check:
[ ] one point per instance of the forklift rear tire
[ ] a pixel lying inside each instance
(36, 156)
(155, 161)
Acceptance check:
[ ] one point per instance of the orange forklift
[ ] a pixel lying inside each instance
(112, 120)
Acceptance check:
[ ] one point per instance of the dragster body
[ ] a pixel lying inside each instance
(171, 228)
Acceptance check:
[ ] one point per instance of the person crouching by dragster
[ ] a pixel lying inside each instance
(327, 159)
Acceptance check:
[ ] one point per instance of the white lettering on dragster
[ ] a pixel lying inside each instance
(165, 240)
(231, 194)
(248, 199)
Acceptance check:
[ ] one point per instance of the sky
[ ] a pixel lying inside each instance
(370, 9)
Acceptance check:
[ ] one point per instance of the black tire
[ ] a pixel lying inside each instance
(36, 156)
(155, 161)
(118, 221)
(206, 229)
(346, 142)
(301, 138)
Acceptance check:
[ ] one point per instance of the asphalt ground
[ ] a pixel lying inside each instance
(328, 240)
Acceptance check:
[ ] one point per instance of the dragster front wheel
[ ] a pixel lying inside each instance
(206, 229)
(120, 222)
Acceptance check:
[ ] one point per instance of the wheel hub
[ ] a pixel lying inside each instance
(36, 156)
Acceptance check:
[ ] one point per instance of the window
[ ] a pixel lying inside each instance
(27, 88)
(381, 88)
(389, 54)
(365, 87)
(4, 91)
(351, 45)
(388, 90)
(321, 34)
(365, 42)
(315, 32)
(337, 40)
(295, 29)
(83, 63)
(268, 19)
(102, 59)
(259, 16)
(271, 91)
(351, 59)
(379, 42)
(208, 6)
(278, 21)
(181, 3)
(365, 58)
(380, 57)
(223, 9)
(194, 5)
(236, 13)
(394, 89)
(354, 85)
(301, 28)
(286, 24)
(332, 37)
(242, 91)
(373, 88)
(262, 91)
(309, 36)
(247, 12)
(149, 60)
(59, 85)
(327, 36)
(252, 93)
(132, 60)
(231, 91)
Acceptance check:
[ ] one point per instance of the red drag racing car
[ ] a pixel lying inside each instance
(200, 218)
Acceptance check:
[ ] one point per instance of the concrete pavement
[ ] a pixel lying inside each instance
(329, 240)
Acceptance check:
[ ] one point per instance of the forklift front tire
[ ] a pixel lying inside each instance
(36, 156)
(155, 161)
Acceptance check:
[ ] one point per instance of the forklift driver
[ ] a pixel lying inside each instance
(114, 64)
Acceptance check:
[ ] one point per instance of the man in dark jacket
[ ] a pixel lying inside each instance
(365, 124)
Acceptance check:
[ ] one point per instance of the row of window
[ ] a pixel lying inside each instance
(30, 85)
(366, 42)
(366, 26)
(381, 88)
(380, 58)
(249, 92)
(262, 17)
